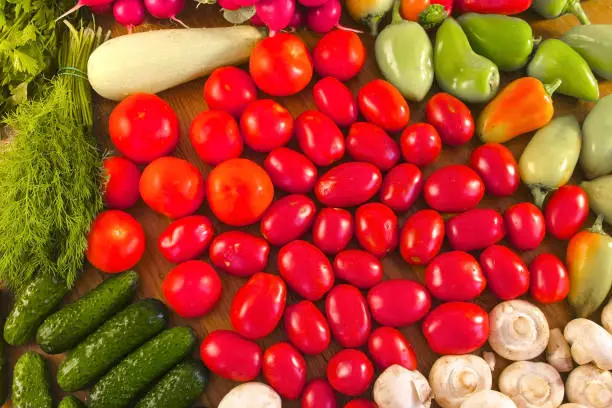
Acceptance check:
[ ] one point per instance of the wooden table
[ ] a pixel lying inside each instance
(187, 100)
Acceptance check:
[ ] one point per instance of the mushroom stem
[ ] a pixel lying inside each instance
(606, 317)
(489, 357)
(558, 352)
(590, 343)
(590, 386)
(398, 387)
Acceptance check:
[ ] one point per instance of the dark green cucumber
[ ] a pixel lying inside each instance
(71, 402)
(132, 375)
(67, 327)
(115, 339)
(180, 388)
(31, 382)
(37, 300)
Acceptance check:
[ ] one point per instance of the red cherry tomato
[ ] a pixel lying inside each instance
(335, 100)
(370, 143)
(359, 268)
(549, 279)
(455, 276)
(115, 243)
(288, 219)
(291, 171)
(280, 65)
(420, 144)
(332, 230)
(453, 188)
(398, 302)
(266, 125)
(122, 186)
(376, 228)
(319, 138)
(231, 356)
(525, 225)
(144, 127)
(497, 167)
(307, 328)
(456, 328)
(239, 191)
(284, 369)
(566, 211)
(452, 119)
(348, 316)
(318, 394)
(383, 105)
(388, 346)
(360, 403)
(229, 89)
(422, 237)
(172, 186)
(186, 239)
(475, 229)
(239, 253)
(215, 137)
(305, 269)
(402, 186)
(192, 289)
(350, 372)
(348, 184)
(506, 273)
(339, 54)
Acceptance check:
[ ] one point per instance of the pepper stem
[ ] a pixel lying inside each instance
(396, 17)
(574, 7)
(432, 16)
(539, 194)
(551, 88)
(373, 24)
(537, 40)
(598, 225)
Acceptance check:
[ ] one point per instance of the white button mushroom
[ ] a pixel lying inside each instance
(488, 399)
(590, 386)
(519, 330)
(572, 405)
(558, 352)
(532, 385)
(606, 317)
(398, 387)
(454, 378)
(590, 343)
(252, 395)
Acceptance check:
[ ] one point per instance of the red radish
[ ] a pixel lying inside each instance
(88, 3)
(166, 9)
(312, 3)
(299, 16)
(130, 13)
(229, 5)
(326, 17)
(277, 14)
(103, 9)
(245, 3)
(255, 20)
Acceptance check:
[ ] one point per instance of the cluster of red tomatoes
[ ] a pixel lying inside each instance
(240, 192)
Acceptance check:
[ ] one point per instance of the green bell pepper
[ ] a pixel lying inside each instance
(594, 43)
(554, 8)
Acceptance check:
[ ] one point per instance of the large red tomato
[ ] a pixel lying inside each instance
(266, 125)
(215, 137)
(122, 185)
(339, 54)
(229, 89)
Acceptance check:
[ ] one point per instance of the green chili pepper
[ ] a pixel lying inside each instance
(554, 60)
(459, 70)
(599, 192)
(554, 8)
(596, 154)
(404, 55)
(594, 43)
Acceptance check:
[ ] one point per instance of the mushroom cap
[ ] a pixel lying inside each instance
(454, 378)
(488, 399)
(558, 352)
(572, 405)
(532, 385)
(398, 387)
(590, 343)
(590, 386)
(606, 317)
(252, 395)
(518, 330)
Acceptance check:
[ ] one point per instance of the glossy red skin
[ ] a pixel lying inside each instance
(454, 188)
(281, 65)
(239, 253)
(420, 144)
(122, 186)
(525, 225)
(359, 268)
(319, 138)
(376, 228)
(307, 328)
(388, 346)
(350, 372)
(383, 105)
(422, 237)
(566, 211)
(115, 242)
(370, 143)
(288, 219)
(266, 125)
(455, 276)
(348, 184)
(192, 289)
(335, 100)
(215, 136)
(231, 356)
(229, 89)
(360, 403)
(333, 229)
(456, 328)
(475, 229)
(339, 54)
(398, 302)
(291, 171)
(402, 186)
(506, 273)
(284, 369)
(348, 316)
(452, 119)
(507, 7)
(497, 167)
(318, 394)
(185, 239)
(144, 127)
(549, 279)
(305, 269)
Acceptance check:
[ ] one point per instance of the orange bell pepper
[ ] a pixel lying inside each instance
(523, 106)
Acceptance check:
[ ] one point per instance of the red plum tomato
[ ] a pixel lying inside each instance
(339, 54)
(350, 372)
(507, 275)
(231, 356)
(420, 144)
(452, 119)
(291, 171)
(288, 219)
(526, 226)
(475, 229)
(359, 268)
(454, 188)
(333, 229)
(402, 186)
(348, 316)
(266, 125)
(239, 253)
(549, 279)
(186, 239)
(497, 167)
(360, 403)
(121, 190)
(335, 100)
(229, 89)
(348, 184)
(388, 347)
(319, 394)
(455, 276)
(370, 143)
(215, 137)
(307, 328)
(284, 369)
(376, 228)
(566, 211)
(319, 138)
(398, 302)
(422, 237)
(383, 105)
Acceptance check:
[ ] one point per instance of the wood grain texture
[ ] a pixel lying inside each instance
(187, 100)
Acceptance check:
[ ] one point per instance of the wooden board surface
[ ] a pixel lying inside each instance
(187, 100)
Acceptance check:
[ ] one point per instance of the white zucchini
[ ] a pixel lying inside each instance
(154, 61)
